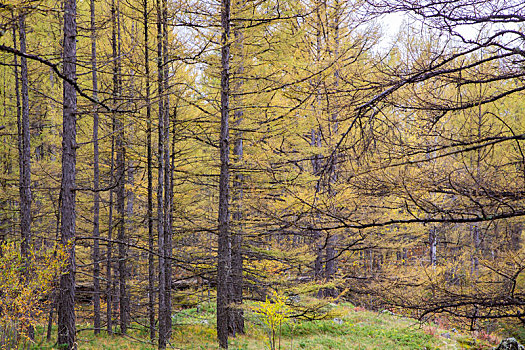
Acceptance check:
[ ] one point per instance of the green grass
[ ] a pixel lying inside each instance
(195, 329)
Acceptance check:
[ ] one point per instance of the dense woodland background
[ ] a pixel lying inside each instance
(184, 151)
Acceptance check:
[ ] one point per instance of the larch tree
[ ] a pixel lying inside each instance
(96, 175)
(164, 198)
(120, 167)
(149, 147)
(224, 229)
(236, 319)
(66, 300)
(24, 145)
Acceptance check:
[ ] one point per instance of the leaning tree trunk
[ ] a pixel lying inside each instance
(66, 301)
(224, 242)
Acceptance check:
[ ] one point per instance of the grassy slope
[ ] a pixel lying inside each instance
(358, 330)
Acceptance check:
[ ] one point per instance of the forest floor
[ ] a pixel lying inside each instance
(352, 328)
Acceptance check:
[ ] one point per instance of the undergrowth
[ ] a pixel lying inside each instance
(352, 329)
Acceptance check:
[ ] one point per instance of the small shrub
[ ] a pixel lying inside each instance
(273, 313)
(24, 283)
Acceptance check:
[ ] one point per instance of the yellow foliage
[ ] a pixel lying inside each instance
(24, 283)
(273, 312)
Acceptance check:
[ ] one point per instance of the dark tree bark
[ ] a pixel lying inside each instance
(224, 241)
(50, 317)
(120, 165)
(66, 302)
(18, 117)
(25, 150)
(236, 321)
(316, 141)
(96, 175)
(475, 231)
(120, 170)
(109, 251)
(151, 243)
(432, 242)
(161, 217)
(18, 104)
(110, 290)
(168, 190)
(121, 234)
(331, 242)
(54, 294)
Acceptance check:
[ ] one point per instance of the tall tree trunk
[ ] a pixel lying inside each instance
(66, 301)
(315, 141)
(478, 171)
(331, 242)
(122, 241)
(120, 171)
(18, 123)
(151, 258)
(24, 149)
(168, 191)
(109, 251)
(224, 241)
(236, 320)
(121, 194)
(25, 143)
(96, 195)
(110, 297)
(18, 106)
(163, 327)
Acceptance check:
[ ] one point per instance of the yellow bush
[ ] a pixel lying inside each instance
(273, 313)
(24, 283)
